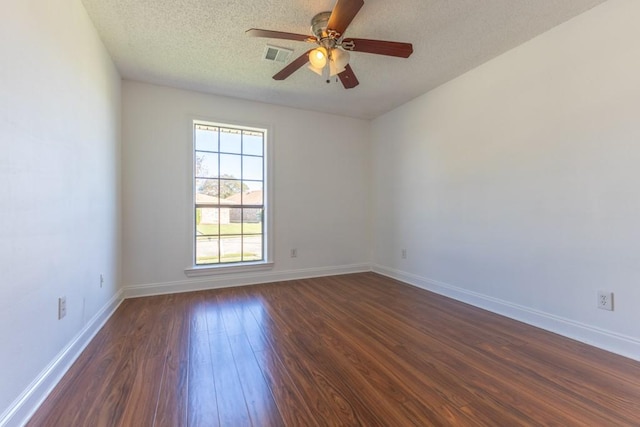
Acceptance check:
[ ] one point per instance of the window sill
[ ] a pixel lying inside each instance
(200, 271)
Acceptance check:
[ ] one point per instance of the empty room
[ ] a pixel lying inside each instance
(319, 213)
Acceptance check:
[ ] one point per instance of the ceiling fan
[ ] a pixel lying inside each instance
(331, 57)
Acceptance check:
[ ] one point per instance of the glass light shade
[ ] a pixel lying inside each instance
(318, 57)
(339, 60)
(316, 70)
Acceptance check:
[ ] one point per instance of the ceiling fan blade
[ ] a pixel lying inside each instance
(379, 47)
(256, 32)
(293, 66)
(348, 78)
(343, 13)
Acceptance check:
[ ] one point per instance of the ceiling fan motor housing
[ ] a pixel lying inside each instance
(319, 25)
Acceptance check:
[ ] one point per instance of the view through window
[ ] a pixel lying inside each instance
(229, 185)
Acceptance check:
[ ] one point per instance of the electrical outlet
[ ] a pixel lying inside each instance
(101, 280)
(403, 254)
(605, 300)
(62, 307)
(294, 253)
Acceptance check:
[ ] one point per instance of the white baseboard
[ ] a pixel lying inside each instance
(238, 279)
(32, 397)
(606, 340)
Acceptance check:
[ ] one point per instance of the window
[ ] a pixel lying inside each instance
(230, 209)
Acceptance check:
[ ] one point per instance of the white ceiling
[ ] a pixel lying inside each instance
(201, 45)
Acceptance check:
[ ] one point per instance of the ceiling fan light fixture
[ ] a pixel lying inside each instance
(316, 70)
(334, 70)
(318, 57)
(339, 60)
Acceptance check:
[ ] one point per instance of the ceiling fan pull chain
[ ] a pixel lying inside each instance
(326, 71)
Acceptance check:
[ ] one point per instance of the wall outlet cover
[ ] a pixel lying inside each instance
(605, 300)
(62, 307)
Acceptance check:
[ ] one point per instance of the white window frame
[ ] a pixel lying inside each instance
(194, 270)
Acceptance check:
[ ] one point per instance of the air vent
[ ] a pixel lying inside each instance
(277, 54)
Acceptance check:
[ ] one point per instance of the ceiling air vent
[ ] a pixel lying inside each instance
(277, 54)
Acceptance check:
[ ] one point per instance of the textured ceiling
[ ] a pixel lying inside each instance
(201, 45)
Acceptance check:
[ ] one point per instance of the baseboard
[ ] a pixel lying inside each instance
(606, 340)
(32, 397)
(239, 279)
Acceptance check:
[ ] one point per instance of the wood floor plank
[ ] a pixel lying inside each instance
(292, 405)
(150, 361)
(232, 408)
(411, 390)
(318, 367)
(353, 350)
(295, 354)
(257, 394)
(202, 405)
(261, 406)
(172, 403)
(142, 402)
(259, 327)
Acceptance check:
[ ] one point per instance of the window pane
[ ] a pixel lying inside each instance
(253, 186)
(206, 138)
(230, 141)
(235, 218)
(230, 166)
(251, 197)
(207, 250)
(230, 249)
(252, 143)
(252, 167)
(227, 224)
(251, 221)
(206, 165)
(230, 191)
(207, 190)
(252, 248)
(207, 221)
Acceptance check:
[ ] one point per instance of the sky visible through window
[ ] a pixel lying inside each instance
(232, 143)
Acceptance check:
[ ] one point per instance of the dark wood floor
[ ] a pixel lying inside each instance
(358, 349)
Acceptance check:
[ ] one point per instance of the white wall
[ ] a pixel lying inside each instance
(59, 191)
(516, 186)
(321, 176)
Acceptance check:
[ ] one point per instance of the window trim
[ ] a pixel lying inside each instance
(194, 270)
(209, 270)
